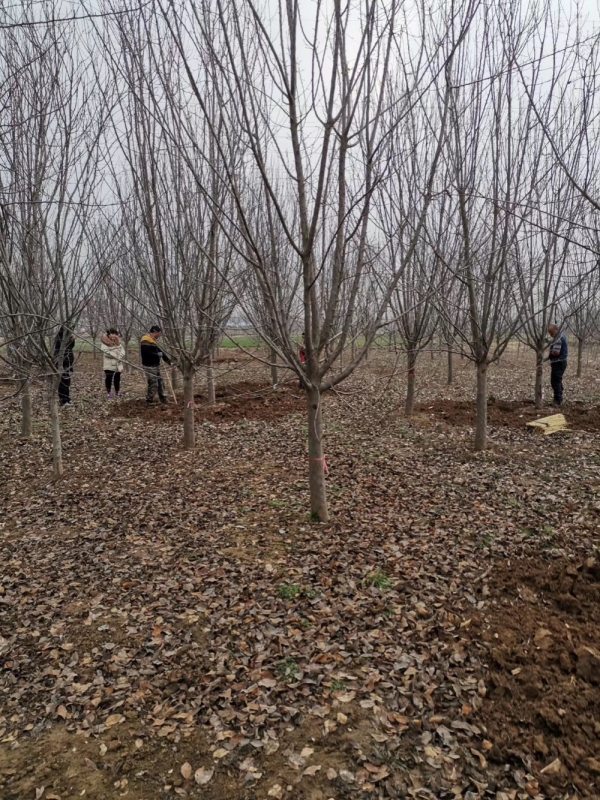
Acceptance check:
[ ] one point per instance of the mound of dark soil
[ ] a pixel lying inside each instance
(243, 400)
(513, 414)
(542, 636)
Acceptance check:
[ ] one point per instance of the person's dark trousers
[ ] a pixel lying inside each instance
(111, 378)
(155, 384)
(64, 389)
(557, 370)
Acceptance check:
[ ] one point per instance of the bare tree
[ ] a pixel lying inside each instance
(495, 168)
(581, 307)
(313, 113)
(49, 173)
(542, 261)
(174, 230)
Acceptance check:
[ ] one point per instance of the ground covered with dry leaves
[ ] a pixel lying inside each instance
(172, 625)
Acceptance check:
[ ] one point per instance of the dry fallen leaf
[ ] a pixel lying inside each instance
(553, 768)
(312, 770)
(186, 770)
(202, 776)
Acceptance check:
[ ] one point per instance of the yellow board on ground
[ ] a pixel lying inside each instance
(546, 425)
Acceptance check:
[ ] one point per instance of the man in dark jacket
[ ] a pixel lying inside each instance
(559, 352)
(64, 360)
(152, 355)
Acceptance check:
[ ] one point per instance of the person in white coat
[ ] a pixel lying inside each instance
(112, 363)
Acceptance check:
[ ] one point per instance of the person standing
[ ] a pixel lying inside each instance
(113, 354)
(152, 354)
(64, 359)
(557, 356)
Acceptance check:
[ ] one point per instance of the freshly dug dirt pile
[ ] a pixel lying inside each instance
(243, 400)
(512, 414)
(542, 636)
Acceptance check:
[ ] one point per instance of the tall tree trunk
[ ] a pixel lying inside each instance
(127, 365)
(539, 379)
(450, 376)
(579, 356)
(94, 349)
(57, 454)
(316, 460)
(482, 397)
(189, 433)
(210, 381)
(409, 403)
(274, 371)
(26, 421)
(174, 378)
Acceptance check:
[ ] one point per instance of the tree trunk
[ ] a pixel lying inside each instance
(94, 350)
(481, 418)
(274, 373)
(450, 379)
(127, 365)
(26, 422)
(189, 433)
(539, 379)
(579, 356)
(409, 403)
(57, 455)
(174, 378)
(210, 381)
(316, 460)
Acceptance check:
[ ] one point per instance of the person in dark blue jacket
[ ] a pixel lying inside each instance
(557, 356)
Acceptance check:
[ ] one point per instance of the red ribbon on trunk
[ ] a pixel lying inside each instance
(323, 461)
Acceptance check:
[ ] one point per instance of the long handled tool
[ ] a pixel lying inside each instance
(170, 385)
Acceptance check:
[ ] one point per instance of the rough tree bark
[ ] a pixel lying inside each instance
(57, 454)
(189, 432)
(409, 403)
(210, 381)
(539, 378)
(26, 420)
(316, 459)
(274, 371)
(482, 398)
(450, 368)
